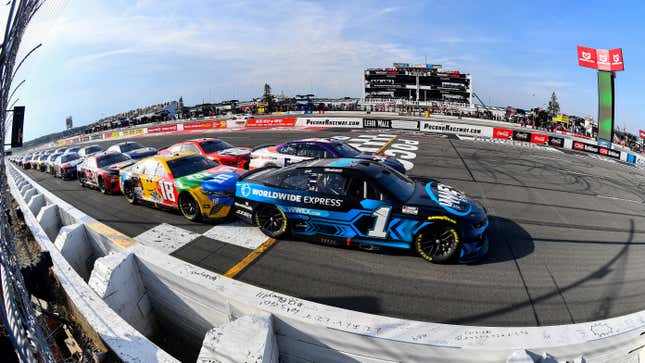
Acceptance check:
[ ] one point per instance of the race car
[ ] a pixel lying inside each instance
(133, 149)
(214, 149)
(361, 202)
(42, 160)
(101, 171)
(65, 165)
(89, 150)
(49, 162)
(26, 162)
(197, 186)
(317, 148)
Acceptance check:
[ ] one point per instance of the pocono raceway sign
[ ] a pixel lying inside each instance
(456, 128)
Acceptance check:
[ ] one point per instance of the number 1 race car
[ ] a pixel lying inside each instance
(362, 202)
(197, 186)
(102, 171)
(214, 149)
(307, 149)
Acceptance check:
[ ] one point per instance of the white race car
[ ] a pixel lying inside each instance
(316, 148)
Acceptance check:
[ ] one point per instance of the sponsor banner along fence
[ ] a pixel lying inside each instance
(556, 141)
(337, 122)
(270, 122)
(405, 125)
(164, 128)
(455, 128)
(499, 133)
(205, 125)
(375, 123)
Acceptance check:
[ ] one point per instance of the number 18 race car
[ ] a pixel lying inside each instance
(197, 186)
(362, 202)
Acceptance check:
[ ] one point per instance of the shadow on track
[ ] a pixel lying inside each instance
(508, 241)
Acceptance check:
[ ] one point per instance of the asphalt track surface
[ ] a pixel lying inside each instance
(567, 239)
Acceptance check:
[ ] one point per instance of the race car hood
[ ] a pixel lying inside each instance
(234, 151)
(71, 163)
(142, 152)
(387, 160)
(211, 179)
(432, 194)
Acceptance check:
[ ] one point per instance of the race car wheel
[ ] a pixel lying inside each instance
(439, 244)
(128, 191)
(271, 220)
(80, 180)
(189, 207)
(102, 187)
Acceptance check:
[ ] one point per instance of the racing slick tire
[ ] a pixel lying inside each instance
(128, 191)
(80, 180)
(439, 244)
(271, 220)
(189, 207)
(102, 187)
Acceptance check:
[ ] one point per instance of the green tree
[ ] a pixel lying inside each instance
(553, 107)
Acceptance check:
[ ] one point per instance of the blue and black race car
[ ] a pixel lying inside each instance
(362, 202)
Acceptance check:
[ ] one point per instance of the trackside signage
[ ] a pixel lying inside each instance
(505, 134)
(270, 122)
(405, 125)
(456, 128)
(375, 123)
(165, 128)
(340, 122)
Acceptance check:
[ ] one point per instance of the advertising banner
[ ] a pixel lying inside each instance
(340, 122)
(373, 123)
(405, 125)
(270, 122)
(198, 125)
(455, 128)
(539, 139)
(601, 59)
(521, 135)
(609, 152)
(556, 141)
(581, 146)
(165, 128)
(107, 135)
(133, 132)
(641, 134)
(115, 134)
(96, 136)
(505, 134)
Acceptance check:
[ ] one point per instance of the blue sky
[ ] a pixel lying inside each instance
(104, 57)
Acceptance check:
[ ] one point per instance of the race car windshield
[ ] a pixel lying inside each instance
(130, 146)
(396, 183)
(190, 165)
(68, 157)
(92, 149)
(111, 159)
(345, 150)
(212, 146)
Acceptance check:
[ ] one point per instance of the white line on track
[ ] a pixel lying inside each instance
(621, 199)
(237, 233)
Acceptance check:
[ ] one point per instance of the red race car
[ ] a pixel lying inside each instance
(101, 171)
(214, 149)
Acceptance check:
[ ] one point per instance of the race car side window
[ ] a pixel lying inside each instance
(289, 149)
(329, 183)
(175, 148)
(295, 179)
(312, 151)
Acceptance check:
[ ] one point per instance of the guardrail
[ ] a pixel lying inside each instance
(120, 285)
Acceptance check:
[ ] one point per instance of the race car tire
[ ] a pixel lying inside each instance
(189, 207)
(102, 187)
(439, 244)
(271, 220)
(128, 191)
(80, 180)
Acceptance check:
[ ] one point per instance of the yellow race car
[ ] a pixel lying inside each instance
(199, 187)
